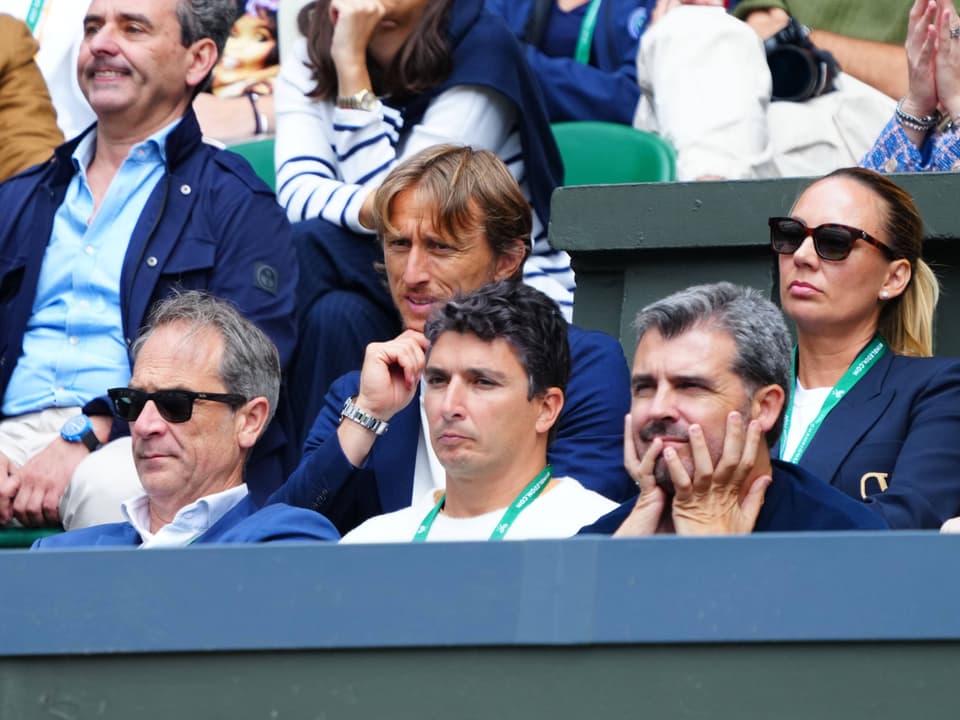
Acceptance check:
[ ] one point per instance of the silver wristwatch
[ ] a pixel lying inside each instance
(363, 419)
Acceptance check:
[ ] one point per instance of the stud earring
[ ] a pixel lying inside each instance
(884, 295)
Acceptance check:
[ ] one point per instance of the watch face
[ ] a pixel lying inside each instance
(366, 100)
(75, 425)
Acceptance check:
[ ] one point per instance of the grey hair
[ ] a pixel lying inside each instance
(763, 346)
(250, 365)
(201, 19)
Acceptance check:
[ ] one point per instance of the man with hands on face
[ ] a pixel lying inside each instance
(451, 220)
(709, 387)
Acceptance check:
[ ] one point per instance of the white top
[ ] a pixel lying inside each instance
(59, 32)
(951, 526)
(559, 512)
(190, 522)
(428, 473)
(330, 158)
(804, 409)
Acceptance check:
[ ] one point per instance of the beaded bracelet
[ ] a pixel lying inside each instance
(920, 124)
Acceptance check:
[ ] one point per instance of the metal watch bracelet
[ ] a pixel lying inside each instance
(365, 420)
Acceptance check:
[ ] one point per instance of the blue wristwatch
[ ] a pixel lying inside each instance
(80, 429)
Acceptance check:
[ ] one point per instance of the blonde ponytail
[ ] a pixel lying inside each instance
(907, 323)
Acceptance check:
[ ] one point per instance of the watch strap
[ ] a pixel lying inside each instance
(90, 439)
(364, 419)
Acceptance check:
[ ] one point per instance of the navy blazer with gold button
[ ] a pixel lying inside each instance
(894, 441)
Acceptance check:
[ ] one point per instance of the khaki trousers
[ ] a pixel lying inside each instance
(100, 483)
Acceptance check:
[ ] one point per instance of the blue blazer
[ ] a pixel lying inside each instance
(795, 501)
(588, 446)
(243, 523)
(894, 441)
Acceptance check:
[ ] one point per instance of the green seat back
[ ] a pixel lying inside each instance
(259, 153)
(19, 537)
(601, 153)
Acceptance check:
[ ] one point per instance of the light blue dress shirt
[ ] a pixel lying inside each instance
(74, 348)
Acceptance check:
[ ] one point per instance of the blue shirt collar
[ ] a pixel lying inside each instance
(154, 147)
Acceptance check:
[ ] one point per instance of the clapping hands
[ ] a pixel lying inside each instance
(933, 59)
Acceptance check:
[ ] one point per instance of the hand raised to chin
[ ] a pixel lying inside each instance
(354, 22)
(723, 498)
(647, 514)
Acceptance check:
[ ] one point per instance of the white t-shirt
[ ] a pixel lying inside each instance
(803, 410)
(559, 512)
(428, 473)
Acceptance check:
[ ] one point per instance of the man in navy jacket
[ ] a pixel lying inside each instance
(131, 210)
(450, 219)
(205, 384)
(709, 385)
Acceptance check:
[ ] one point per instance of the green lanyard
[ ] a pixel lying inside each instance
(530, 493)
(585, 40)
(33, 14)
(860, 367)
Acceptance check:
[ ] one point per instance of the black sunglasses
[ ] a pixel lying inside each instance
(832, 241)
(174, 406)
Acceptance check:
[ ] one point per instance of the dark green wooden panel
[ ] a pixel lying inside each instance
(632, 244)
(757, 682)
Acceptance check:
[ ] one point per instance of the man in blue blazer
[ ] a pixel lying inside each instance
(450, 219)
(205, 384)
(710, 379)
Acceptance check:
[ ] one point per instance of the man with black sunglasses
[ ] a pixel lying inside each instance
(205, 384)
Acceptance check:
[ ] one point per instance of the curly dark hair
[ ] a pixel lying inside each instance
(526, 318)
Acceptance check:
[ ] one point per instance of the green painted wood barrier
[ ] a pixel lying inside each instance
(633, 244)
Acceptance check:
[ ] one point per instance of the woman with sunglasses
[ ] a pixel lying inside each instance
(870, 411)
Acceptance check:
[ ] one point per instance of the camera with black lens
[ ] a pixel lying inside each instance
(799, 69)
